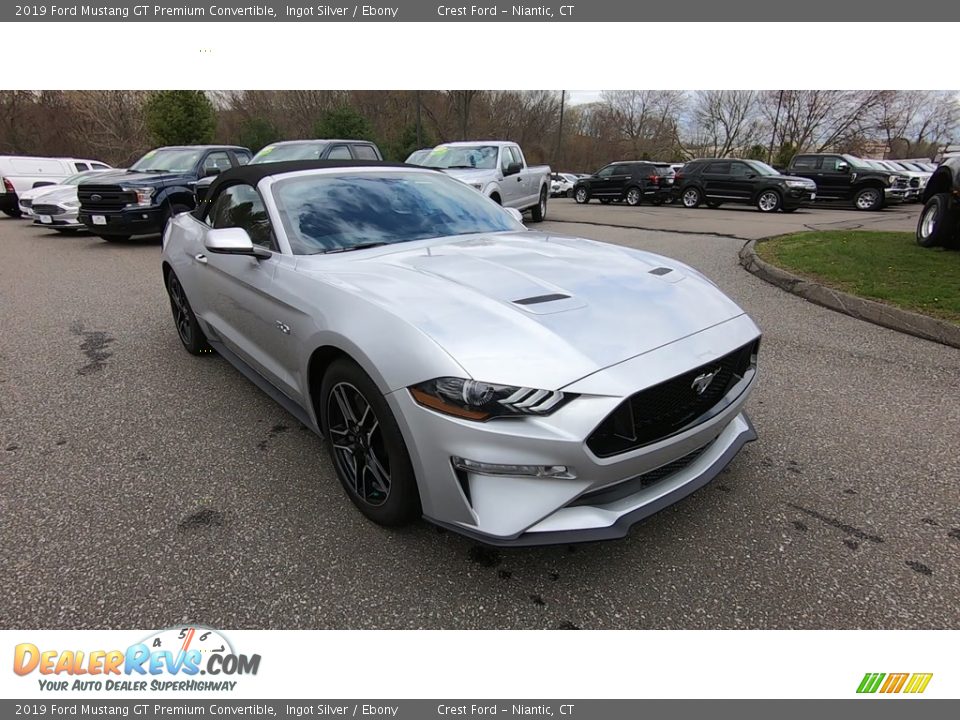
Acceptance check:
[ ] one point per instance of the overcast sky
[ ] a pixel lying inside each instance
(579, 97)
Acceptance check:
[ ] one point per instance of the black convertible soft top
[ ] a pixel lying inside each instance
(254, 173)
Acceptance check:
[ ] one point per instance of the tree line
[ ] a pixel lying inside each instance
(671, 125)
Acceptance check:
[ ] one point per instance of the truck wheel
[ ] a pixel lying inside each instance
(634, 196)
(936, 223)
(581, 195)
(539, 211)
(868, 198)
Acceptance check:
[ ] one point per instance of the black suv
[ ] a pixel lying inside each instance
(939, 222)
(161, 184)
(629, 181)
(715, 181)
(845, 178)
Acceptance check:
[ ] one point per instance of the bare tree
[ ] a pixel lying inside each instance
(725, 122)
(647, 119)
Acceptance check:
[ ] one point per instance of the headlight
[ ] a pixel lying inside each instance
(893, 179)
(474, 400)
(144, 195)
(72, 204)
(800, 184)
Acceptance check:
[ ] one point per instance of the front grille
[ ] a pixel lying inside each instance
(663, 410)
(901, 183)
(48, 210)
(95, 198)
(629, 487)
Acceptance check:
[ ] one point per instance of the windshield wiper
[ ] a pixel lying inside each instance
(360, 246)
(460, 167)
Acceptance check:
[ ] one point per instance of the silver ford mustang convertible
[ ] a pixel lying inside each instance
(519, 387)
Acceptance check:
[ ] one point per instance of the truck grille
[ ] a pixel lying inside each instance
(662, 410)
(95, 198)
(901, 183)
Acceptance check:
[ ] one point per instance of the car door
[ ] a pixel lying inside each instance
(833, 178)
(622, 172)
(601, 183)
(742, 181)
(512, 191)
(715, 179)
(237, 295)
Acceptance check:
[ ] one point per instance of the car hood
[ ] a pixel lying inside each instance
(34, 193)
(470, 175)
(529, 308)
(784, 178)
(56, 194)
(131, 178)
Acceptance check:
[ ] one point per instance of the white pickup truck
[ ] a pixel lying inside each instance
(497, 169)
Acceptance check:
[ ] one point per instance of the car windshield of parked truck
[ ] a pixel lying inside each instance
(481, 157)
(289, 151)
(167, 160)
(762, 168)
(323, 212)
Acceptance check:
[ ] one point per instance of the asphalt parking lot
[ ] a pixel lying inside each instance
(143, 487)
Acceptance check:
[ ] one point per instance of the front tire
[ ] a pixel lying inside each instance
(769, 201)
(191, 335)
(937, 224)
(581, 195)
(634, 197)
(539, 211)
(868, 199)
(366, 446)
(691, 197)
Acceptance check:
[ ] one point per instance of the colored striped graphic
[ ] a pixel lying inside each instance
(913, 683)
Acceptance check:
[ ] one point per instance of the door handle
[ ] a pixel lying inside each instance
(200, 258)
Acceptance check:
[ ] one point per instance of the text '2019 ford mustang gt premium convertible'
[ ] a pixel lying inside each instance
(519, 387)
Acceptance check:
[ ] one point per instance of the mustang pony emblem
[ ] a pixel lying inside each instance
(702, 382)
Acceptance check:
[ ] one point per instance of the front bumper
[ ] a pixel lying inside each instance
(799, 197)
(129, 221)
(606, 497)
(63, 220)
(895, 195)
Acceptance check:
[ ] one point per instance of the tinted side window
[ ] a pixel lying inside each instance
(82, 166)
(719, 168)
(507, 156)
(830, 164)
(218, 161)
(242, 158)
(741, 170)
(339, 152)
(365, 152)
(805, 162)
(241, 206)
(607, 171)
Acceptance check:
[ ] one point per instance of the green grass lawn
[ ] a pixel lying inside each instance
(885, 266)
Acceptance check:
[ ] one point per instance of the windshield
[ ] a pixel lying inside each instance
(483, 157)
(761, 167)
(322, 212)
(416, 157)
(167, 160)
(78, 178)
(289, 151)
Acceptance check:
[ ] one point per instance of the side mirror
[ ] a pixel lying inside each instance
(233, 241)
(515, 214)
(843, 167)
(210, 172)
(513, 169)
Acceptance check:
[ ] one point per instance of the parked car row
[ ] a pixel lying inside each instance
(809, 178)
(21, 174)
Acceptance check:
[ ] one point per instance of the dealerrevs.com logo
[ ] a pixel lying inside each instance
(892, 683)
(177, 659)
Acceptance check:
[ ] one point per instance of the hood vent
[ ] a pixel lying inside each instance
(661, 271)
(537, 299)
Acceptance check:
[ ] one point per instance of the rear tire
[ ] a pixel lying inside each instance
(539, 211)
(937, 224)
(366, 446)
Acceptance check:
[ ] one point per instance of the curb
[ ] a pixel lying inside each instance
(911, 323)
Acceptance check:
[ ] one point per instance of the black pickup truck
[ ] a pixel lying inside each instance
(847, 179)
(139, 201)
(939, 222)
